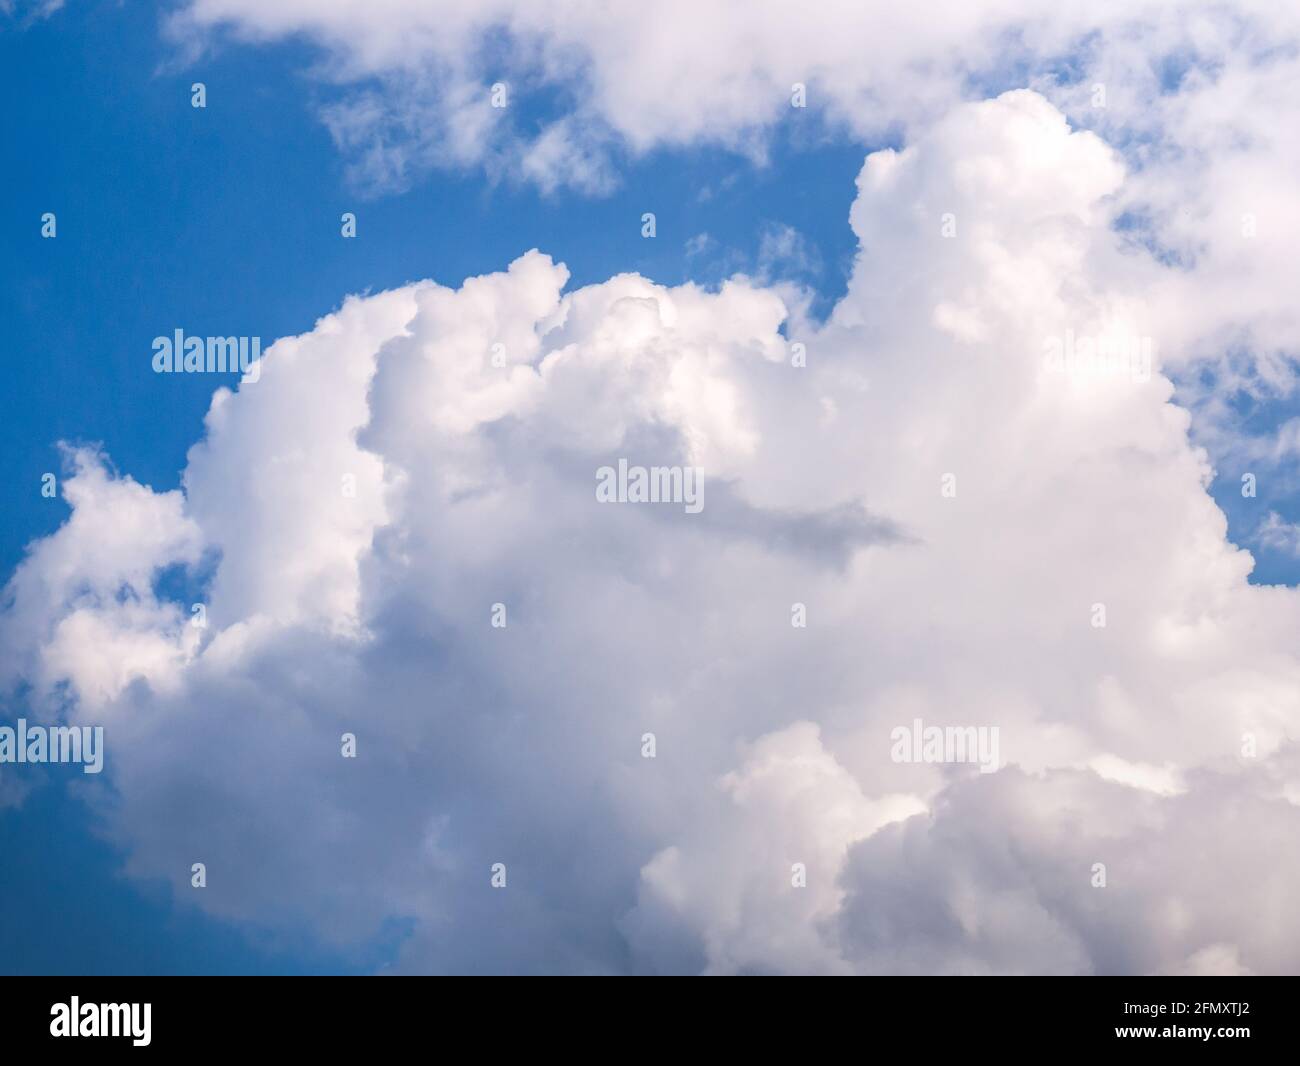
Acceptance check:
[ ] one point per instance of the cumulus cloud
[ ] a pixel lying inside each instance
(81, 607)
(1000, 879)
(947, 501)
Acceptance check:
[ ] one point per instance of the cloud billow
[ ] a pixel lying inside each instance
(947, 511)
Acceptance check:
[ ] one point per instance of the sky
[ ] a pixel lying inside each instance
(952, 201)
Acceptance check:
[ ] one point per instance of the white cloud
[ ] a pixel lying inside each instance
(1280, 535)
(1001, 879)
(81, 606)
(782, 249)
(475, 485)
(732, 878)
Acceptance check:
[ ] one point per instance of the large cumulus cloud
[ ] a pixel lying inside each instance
(426, 453)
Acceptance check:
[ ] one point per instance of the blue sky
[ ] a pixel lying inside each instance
(225, 220)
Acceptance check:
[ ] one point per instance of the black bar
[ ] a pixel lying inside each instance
(338, 1016)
